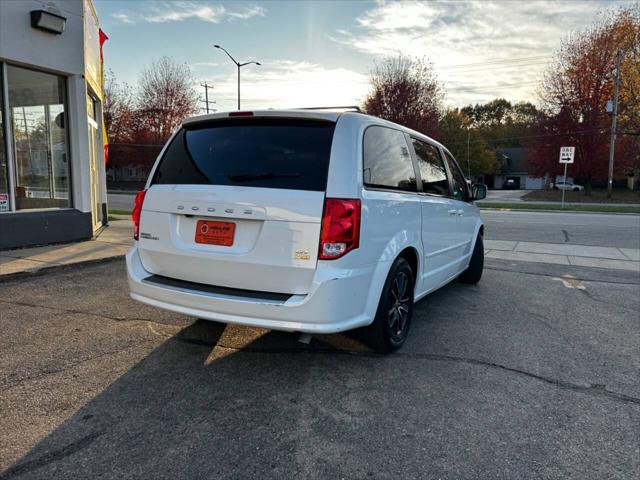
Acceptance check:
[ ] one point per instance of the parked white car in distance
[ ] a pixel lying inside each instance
(303, 220)
(562, 185)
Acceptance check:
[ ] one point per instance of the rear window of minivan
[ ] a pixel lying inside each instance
(257, 152)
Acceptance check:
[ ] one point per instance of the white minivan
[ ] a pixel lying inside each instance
(303, 220)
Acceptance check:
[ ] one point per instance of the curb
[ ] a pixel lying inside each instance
(555, 211)
(56, 268)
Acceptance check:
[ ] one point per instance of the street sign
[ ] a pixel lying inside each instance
(566, 154)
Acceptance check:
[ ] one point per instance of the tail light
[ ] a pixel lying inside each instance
(340, 227)
(137, 211)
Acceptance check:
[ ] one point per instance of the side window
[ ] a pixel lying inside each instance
(387, 161)
(432, 171)
(459, 182)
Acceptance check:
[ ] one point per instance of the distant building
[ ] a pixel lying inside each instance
(52, 174)
(513, 174)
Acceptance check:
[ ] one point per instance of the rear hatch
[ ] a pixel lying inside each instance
(237, 202)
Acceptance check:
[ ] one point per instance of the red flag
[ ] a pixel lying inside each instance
(103, 38)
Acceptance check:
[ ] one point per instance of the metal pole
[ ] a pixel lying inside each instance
(564, 187)
(612, 144)
(468, 164)
(206, 95)
(238, 86)
(9, 122)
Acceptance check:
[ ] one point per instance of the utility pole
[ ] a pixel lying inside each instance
(206, 95)
(612, 144)
(468, 164)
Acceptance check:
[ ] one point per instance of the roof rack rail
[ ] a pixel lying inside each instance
(347, 107)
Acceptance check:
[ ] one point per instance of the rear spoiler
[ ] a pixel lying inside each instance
(309, 114)
(348, 108)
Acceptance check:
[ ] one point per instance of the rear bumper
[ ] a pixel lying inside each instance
(336, 302)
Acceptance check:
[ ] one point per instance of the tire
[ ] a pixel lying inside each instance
(576, 189)
(473, 273)
(390, 327)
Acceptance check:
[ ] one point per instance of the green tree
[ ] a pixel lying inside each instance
(502, 123)
(462, 139)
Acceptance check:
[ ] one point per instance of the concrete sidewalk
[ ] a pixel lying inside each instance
(113, 241)
(564, 254)
(116, 239)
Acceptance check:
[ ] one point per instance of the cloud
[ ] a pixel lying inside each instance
(480, 49)
(288, 83)
(178, 11)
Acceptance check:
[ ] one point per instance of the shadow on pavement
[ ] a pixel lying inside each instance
(194, 408)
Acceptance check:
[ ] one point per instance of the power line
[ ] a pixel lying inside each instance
(490, 87)
(526, 137)
(505, 61)
(494, 67)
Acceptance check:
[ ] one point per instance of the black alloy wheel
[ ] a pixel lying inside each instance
(390, 327)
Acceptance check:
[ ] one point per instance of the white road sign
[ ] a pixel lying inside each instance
(566, 154)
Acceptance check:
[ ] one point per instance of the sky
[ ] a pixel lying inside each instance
(320, 53)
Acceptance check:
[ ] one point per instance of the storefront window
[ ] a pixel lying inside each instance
(4, 187)
(37, 110)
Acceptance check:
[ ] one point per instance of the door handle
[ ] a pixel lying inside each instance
(453, 212)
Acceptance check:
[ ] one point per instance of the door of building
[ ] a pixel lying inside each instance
(95, 156)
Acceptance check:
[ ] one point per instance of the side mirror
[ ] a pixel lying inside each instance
(479, 191)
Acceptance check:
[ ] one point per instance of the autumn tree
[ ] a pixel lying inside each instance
(165, 98)
(575, 91)
(464, 141)
(118, 109)
(406, 90)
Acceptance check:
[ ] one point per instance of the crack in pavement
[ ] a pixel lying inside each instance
(51, 457)
(593, 389)
(85, 312)
(598, 390)
(538, 274)
(5, 387)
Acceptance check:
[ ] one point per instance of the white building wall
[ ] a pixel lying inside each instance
(79, 143)
(21, 44)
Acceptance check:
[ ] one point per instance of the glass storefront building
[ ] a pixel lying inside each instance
(52, 176)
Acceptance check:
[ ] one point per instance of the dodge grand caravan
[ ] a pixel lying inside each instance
(302, 220)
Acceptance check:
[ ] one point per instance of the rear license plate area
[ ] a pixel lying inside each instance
(211, 232)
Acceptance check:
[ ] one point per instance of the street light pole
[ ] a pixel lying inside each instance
(468, 164)
(238, 65)
(612, 144)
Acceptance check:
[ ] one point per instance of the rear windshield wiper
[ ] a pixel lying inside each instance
(249, 177)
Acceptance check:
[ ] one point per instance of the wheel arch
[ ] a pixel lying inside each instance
(403, 245)
(411, 255)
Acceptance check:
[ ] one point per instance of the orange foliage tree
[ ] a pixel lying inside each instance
(406, 90)
(575, 91)
(140, 120)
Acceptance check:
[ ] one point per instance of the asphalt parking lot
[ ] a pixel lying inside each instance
(528, 375)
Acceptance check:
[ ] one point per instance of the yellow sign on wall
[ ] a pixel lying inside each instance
(92, 67)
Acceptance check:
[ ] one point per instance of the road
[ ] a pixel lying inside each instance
(120, 201)
(527, 375)
(605, 230)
